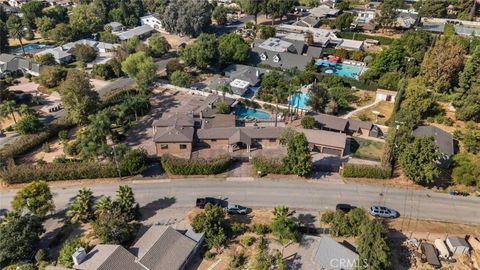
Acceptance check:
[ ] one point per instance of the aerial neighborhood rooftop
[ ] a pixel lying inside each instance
(239, 134)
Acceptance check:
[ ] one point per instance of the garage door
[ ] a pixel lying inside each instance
(332, 151)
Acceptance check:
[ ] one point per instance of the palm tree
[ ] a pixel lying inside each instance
(281, 211)
(121, 113)
(126, 202)
(81, 209)
(8, 107)
(103, 206)
(278, 95)
(16, 29)
(24, 109)
(225, 88)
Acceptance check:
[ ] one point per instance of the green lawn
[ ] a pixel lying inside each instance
(366, 149)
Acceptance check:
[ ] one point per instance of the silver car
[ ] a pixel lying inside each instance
(382, 211)
(236, 209)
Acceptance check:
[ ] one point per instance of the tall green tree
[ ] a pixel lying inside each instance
(16, 29)
(372, 248)
(252, 7)
(298, 160)
(158, 45)
(36, 198)
(62, 33)
(103, 205)
(81, 209)
(233, 49)
(202, 53)
(318, 98)
(388, 13)
(31, 10)
(20, 236)
(141, 68)
(3, 37)
(284, 228)
(278, 8)
(8, 108)
(211, 222)
(442, 64)
(125, 201)
(68, 248)
(85, 19)
(189, 17)
(419, 160)
(78, 96)
(220, 14)
(432, 8)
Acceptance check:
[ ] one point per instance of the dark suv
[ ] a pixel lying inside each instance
(344, 207)
(201, 202)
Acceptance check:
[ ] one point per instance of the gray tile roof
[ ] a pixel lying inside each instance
(286, 60)
(245, 73)
(443, 139)
(137, 31)
(57, 52)
(109, 257)
(163, 248)
(12, 63)
(331, 122)
(314, 52)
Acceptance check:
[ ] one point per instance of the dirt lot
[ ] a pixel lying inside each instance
(384, 108)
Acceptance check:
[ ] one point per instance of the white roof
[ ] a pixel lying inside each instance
(350, 44)
(237, 83)
(275, 45)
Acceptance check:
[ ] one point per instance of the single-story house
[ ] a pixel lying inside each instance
(142, 32)
(385, 95)
(308, 21)
(61, 56)
(161, 247)
(349, 126)
(458, 245)
(326, 142)
(364, 16)
(102, 47)
(12, 64)
(206, 109)
(331, 122)
(406, 19)
(443, 139)
(318, 253)
(324, 11)
(241, 79)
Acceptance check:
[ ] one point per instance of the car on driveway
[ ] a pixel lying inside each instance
(344, 207)
(235, 209)
(201, 202)
(382, 211)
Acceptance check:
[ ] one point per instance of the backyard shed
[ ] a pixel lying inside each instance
(458, 245)
(442, 248)
(430, 253)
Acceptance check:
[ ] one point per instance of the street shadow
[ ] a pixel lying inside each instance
(150, 209)
(400, 253)
(306, 223)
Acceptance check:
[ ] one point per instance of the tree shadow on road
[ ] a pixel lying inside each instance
(149, 210)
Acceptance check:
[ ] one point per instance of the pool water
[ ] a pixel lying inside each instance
(29, 47)
(299, 100)
(343, 70)
(244, 112)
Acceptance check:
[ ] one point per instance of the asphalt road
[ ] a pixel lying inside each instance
(302, 195)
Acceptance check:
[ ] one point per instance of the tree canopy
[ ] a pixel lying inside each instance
(189, 17)
(141, 68)
(201, 53)
(419, 160)
(233, 49)
(36, 198)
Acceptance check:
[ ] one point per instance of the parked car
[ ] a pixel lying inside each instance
(382, 211)
(235, 209)
(344, 207)
(201, 202)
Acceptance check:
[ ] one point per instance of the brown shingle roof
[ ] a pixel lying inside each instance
(355, 125)
(331, 122)
(327, 138)
(174, 134)
(183, 120)
(252, 132)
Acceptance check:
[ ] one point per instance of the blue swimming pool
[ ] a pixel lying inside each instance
(244, 112)
(29, 47)
(343, 70)
(299, 100)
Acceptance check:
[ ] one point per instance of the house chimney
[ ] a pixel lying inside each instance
(257, 73)
(79, 256)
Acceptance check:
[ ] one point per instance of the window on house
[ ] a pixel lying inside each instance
(183, 146)
(164, 146)
(272, 140)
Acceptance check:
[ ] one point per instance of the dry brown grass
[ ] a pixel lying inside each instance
(384, 108)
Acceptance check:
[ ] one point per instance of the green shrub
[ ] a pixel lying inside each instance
(117, 96)
(265, 165)
(134, 161)
(261, 228)
(362, 37)
(26, 143)
(237, 228)
(366, 171)
(327, 217)
(308, 122)
(209, 255)
(247, 240)
(57, 171)
(68, 248)
(180, 166)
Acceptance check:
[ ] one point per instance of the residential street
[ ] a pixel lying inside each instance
(305, 195)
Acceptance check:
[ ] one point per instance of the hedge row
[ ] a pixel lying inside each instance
(266, 165)
(117, 96)
(180, 166)
(363, 37)
(57, 171)
(366, 171)
(26, 143)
